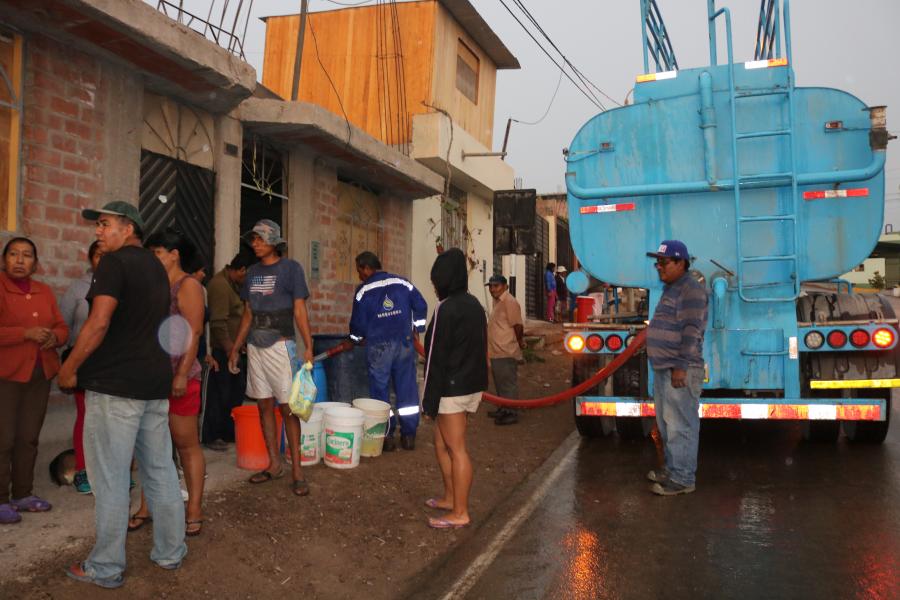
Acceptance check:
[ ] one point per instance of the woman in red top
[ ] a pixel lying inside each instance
(181, 339)
(31, 328)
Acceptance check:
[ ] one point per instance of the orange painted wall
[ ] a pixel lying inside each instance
(348, 48)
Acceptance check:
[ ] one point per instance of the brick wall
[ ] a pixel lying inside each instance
(62, 154)
(331, 301)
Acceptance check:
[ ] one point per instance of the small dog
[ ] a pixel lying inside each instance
(62, 468)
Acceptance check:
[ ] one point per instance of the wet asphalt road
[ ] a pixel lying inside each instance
(773, 517)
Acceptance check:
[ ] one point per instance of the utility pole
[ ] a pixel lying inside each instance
(304, 4)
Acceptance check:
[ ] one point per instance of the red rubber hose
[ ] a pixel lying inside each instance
(636, 344)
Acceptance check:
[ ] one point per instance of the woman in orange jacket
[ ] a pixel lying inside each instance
(31, 329)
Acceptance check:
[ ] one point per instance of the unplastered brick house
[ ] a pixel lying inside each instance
(115, 100)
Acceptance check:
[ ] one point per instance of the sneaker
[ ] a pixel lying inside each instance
(671, 488)
(493, 414)
(81, 483)
(657, 476)
(408, 442)
(389, 444)
(9, 514)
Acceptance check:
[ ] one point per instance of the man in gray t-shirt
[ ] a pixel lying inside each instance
(274, 295)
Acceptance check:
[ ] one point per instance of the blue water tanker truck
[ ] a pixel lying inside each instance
(776, 190)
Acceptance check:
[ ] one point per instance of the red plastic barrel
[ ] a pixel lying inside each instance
(584, 307)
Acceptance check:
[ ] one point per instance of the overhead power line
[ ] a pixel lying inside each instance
(549, 106)
(575, 69)
(577, 78)
(578, 86)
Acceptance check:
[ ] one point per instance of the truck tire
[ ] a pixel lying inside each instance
(583, 367)
(869, 432)
(823, 432)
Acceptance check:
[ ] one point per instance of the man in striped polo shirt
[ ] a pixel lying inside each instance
(675, 349)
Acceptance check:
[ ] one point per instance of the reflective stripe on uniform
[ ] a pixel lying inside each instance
(405, 411)
(383, 283)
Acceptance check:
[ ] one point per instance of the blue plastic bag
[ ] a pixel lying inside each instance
(303, 392)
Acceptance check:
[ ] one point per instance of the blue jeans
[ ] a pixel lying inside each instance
(395, 359)
(678, 419)
(115, 429)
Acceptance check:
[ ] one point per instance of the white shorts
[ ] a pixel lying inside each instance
(270, 371)
(458, 404)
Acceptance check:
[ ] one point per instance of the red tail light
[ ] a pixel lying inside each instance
(883, 338)
(859, 338)
(837, 339)
(614, 343)
(594, 343)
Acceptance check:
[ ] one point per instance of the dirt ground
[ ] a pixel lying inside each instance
(361, 532)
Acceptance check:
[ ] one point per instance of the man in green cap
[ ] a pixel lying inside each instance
(127, 377)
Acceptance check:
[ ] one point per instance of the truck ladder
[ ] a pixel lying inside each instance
(790, 217)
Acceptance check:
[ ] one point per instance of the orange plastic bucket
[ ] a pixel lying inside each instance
(248, 437)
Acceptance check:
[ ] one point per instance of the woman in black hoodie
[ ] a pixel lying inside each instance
(455, 377)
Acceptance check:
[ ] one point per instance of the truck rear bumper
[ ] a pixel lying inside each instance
(820, 409)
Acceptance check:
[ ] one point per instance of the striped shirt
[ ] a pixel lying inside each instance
(675, 334)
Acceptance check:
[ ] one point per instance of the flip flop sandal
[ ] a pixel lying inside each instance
(266, 476)
(300, 488)
(141, 521)
(31, 504)
(435, 503)
(193, 532)
(445, 524)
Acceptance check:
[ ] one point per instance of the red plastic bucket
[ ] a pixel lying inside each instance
(584, 308)
(248, 437)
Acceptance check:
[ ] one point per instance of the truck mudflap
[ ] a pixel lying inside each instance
(812, 409)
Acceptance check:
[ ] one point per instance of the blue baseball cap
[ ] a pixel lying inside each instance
(671, 249)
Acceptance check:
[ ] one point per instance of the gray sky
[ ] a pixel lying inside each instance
(852, 46)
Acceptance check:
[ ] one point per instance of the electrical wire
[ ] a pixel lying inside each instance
(553, 60)
(578, 73)
(349, 3)
(324, 70)
(546, 112)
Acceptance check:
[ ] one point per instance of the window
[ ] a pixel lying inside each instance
(467, 68)
(453, 220)
(860, 269)
(10, 120)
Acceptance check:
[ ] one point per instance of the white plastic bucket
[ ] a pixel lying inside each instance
(343, 436)
(324, 406)
(311, 438)
(375, 425)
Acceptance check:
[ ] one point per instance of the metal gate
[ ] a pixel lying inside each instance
(535, 299)
(180, 195)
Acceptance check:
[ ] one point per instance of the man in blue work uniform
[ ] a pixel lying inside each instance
(675, 350)
(387, 312)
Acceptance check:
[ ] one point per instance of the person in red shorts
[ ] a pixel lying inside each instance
(180, 337)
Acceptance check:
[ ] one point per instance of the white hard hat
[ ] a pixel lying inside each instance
(560, 269)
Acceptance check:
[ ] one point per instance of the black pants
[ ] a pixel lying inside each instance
(224, 391)
(22, 410)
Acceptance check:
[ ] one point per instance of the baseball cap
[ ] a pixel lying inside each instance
(671, 249)
(118, 208)
(496, 279)
(268, 230)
